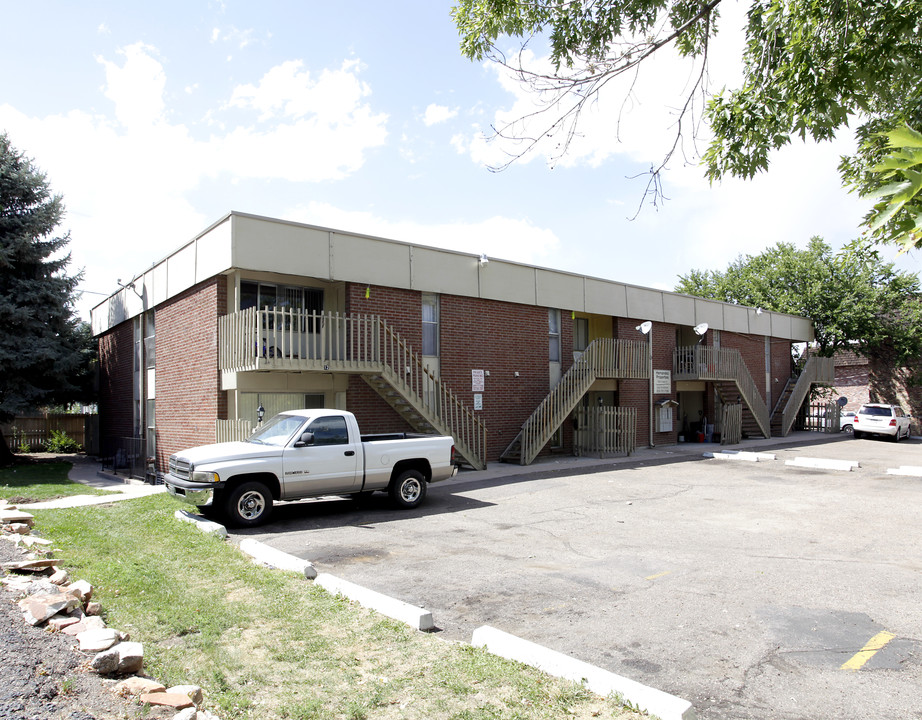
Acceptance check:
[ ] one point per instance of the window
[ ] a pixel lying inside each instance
(553, 325)
(580, 334)
(330, 431)
(281, 297)
(430, 324)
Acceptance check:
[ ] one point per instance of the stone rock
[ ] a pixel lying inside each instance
(164, 699)
(30, 565)
(193, 691)
(87, 623)
(97, 640)
(187, 714)
(127, 657)
(39, 608)
(105, 662)
(59, 577)
(59, 622)
(137, 686)
(8, 517)
(130, 657)
(93, 608)
(19, 528)
(30, 540)
(81, 590)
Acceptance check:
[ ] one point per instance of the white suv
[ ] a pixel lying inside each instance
(878, 419)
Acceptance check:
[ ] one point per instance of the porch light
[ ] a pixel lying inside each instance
(260, 414)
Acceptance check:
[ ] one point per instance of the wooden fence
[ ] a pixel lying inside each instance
(731, 426)
(34, 431)
(232, 430)
(605, 431)
(819, 417)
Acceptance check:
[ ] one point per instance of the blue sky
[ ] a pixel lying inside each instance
(155, 119)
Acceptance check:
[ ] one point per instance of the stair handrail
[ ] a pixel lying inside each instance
(604, 357)
(419, 385)
(817, 371)
(724, 364)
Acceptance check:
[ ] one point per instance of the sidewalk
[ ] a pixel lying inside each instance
(682, 452)
(86, 470)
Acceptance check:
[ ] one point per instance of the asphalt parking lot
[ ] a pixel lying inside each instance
(752, 589)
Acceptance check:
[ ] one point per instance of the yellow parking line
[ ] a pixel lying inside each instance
(867, 652)
(658, 575)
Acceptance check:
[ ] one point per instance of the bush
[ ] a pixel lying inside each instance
(61, 442)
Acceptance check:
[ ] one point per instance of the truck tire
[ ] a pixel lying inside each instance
(408, 489)
(248, 504)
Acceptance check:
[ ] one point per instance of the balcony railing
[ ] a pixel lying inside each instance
(285, 339)
(817, 371)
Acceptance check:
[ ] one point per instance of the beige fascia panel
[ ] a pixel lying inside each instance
(679, 309)
(559, 290)
(447, 273)
(644, 304)
(368, 260)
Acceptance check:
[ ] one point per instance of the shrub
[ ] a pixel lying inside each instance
(61, 442)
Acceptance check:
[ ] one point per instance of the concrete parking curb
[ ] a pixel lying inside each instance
(276, 558)
(823, 464)
(910, 470)
(601, 682)
(741, 455)
(203, 524)
(415, 617)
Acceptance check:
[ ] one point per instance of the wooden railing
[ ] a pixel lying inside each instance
(232, 430)
(604, 358)
(817, 371)
(700, 362)
(605, 430)
(285, 339)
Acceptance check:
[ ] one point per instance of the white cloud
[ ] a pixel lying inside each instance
(436, 114)
(504, 238)
(136, 88)
(127, 180)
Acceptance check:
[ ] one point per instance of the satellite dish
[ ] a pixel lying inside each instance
(701, 328)
(645, 327)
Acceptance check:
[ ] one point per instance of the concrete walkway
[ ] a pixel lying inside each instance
(86, 471)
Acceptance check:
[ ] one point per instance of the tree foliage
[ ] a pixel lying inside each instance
(45, 352)
(810, 68)
(856, 301)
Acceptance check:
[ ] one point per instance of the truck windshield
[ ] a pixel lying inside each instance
(277, 431)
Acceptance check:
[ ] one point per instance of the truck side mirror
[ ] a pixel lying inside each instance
(307, 438)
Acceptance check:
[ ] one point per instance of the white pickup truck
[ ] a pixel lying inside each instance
(307, 453)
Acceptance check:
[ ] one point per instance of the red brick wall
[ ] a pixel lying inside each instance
(501, 338)
(189, 398)
(116, 366)
(781, 367)
(752, 350)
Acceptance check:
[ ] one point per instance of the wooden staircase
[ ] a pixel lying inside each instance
(817, 371)
(365, 345)
(726, 369)
(604, 358)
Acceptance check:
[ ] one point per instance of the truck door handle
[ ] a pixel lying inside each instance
(350, 453)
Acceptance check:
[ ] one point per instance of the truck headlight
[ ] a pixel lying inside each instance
(204, 477)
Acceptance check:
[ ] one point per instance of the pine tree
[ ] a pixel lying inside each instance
(44, 350)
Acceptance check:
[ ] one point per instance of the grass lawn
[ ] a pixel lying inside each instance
(265, 644)
(40, 480)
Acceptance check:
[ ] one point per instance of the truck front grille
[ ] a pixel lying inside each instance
(179, 467)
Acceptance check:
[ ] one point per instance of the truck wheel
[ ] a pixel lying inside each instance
(248, 504)
(408, 489)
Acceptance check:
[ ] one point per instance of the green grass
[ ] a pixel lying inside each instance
(38, 481)
(265, 644)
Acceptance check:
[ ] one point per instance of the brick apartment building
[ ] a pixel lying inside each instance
(512, 360)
